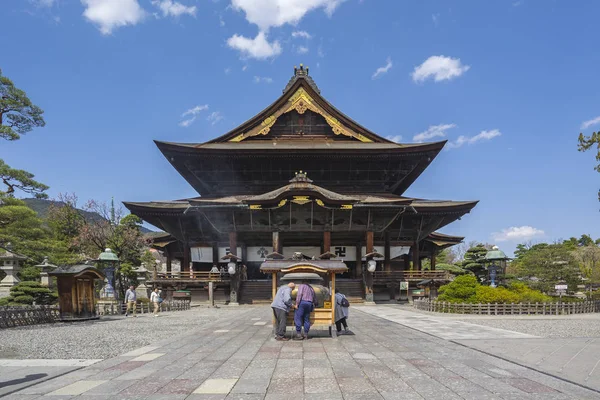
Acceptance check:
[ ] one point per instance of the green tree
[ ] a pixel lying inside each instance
(21, 226)
(27, 293)
(588, 142)
(460, 290)
(544, 265)
(472, 261)
(18, 115)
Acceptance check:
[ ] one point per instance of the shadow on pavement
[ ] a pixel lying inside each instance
(25, 379)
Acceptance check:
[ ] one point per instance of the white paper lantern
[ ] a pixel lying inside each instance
(231, 268)
(371, 265)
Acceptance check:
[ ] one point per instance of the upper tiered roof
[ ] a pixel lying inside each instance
(300, 130)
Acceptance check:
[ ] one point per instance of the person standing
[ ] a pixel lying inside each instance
(130, 300)
(341, 312)
(305, 299)
(281, 308)
(156, 300)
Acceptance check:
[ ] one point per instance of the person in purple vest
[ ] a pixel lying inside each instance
(305, 304)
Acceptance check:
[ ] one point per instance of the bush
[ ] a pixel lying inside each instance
(460, 290)
(453, 269)
(488, 294)
(27, 292)
(527, 294)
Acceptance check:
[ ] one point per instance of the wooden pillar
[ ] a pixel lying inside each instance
(368, 278)
(276, 243)
(169, 260)
(234, 280)
(406, 260)
(415, 256)
(358, 272)
(433, 254)
(186, 257)
(369, 240)
(387, 263)
(326, 241)
(215, 256)
(233, 243)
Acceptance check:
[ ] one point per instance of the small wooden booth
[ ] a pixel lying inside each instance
(324, 314)
(76, 297)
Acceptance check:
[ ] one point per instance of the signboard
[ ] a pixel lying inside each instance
(202, 254)
(258, 253)
(403, 285)
(561, 287)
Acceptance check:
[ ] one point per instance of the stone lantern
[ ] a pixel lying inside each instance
(108, 264)
(46, 267)
(141, 290)
(496, 261)
(10, 263)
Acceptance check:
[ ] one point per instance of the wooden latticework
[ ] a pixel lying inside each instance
(27, 315)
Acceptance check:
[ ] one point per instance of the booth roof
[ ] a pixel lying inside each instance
(76, 270)
(326, 265)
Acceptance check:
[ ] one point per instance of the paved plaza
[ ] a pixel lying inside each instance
(235, 357)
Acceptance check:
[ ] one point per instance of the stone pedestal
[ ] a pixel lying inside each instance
(9, 280)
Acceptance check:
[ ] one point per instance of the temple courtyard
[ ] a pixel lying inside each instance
(229, 353)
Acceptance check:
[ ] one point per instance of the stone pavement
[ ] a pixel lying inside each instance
(439, 326)
(574, 359)
(237, 358)
(18, 374)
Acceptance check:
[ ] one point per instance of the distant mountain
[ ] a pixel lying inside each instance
(41, 206)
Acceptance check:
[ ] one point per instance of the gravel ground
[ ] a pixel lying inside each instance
(565, 327)
(108, 337)
(558, 326)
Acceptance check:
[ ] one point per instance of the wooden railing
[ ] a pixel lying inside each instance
(27, 315)
(143, 308)
(582, 307)
(196, 275)
(411, 275)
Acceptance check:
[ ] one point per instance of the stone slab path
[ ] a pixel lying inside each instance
(440, 326)
(575, 359)
(234, 358)
(18, 374)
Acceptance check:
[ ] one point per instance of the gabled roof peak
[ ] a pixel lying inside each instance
(301, 73)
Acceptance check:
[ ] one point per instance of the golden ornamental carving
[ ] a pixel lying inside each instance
(282, 203)
(301, 200)
(301, 101)
(346, 207)
(320, 202)
(255, 207)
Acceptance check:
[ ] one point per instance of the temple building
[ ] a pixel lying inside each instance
(301, 178)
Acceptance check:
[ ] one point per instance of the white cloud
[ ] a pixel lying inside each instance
(302, 50)
(301, 34)
(433, 131)
(396, 138)
(435, 18)
(258, 48)
(591, 122)
(44, 3)
(170, 8)
(265, 79)
(483, 135)
(227, 71)
(111, 14)
(439, 68)
(244, 68)
(517, 233)
(273, 13)
(221, 21)
(193, 114)
(383, 70)
(214, 117)
(320, 51)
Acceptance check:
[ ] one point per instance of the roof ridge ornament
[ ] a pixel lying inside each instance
(300, 177)
(301, 73)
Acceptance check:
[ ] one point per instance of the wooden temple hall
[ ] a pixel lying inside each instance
(301, 180)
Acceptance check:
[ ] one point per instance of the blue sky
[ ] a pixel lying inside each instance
(509, 83)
